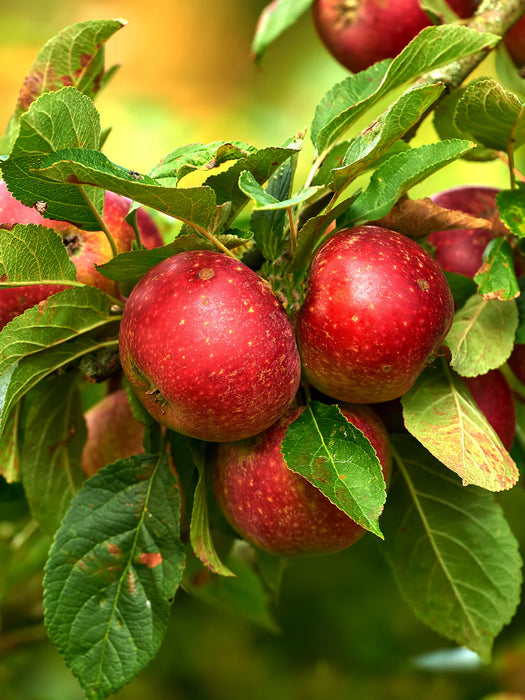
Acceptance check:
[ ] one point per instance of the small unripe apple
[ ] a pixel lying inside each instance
(495, 400)
(112, 433)
(461, 250)
(377, 309)
(360, 32)
(86, 248)
(279, 510)
(207, 347)
(514, 42)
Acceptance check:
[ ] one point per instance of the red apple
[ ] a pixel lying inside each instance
(360, 32)
(86, 248)
(207, 347)
(461, 250)
(278, 510)
(514, 42)
(112, 433)
(377, 309)
(495, 400)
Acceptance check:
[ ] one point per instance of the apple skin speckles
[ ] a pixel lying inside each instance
(208, 348)
(378, 307)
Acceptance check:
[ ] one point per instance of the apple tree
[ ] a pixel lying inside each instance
(209, 432)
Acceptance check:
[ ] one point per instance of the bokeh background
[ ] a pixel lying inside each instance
(344, 631)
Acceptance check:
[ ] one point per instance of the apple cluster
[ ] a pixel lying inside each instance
(211, 353)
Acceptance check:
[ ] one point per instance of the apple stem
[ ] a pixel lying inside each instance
(214, 240)
(293, 229)
(101, 221)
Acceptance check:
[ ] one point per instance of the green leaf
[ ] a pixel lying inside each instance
(397, 175)
(274, 20)
(56, 121)
(269, 226)
(439, 11)
(462, 287)
(440, 412)
(197, 156)
(496, 279)
(265, 201)
(491, 115)
(506, 70)
(112, 572)
(339, 460)
(34, 254)
(482, 335)
(261, 165)
(430, 49)
(435, 525)
(53, 322)
(200, 535)
(24, 374)
(511, 207)
(195, 206)
(50, 460)
(445, 126)
(520, 304)
(74, 57)
(378, 138)
(10, 447)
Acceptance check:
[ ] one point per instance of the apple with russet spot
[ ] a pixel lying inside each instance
(207, 347)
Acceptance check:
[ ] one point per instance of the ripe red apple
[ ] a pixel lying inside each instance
(207, 347)
(514, 42)
(461, 250)
(377, 309)
(86, 248)
(360, 32)
(517, 361)
(112, 433)
(495, 400)
(277, 509)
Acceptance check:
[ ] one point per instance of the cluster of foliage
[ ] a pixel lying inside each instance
(120, 545)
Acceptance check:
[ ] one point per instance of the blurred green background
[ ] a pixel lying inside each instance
(345, 632)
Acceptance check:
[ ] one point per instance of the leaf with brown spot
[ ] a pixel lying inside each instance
(442, 415)
(74, 57)
(113, 570)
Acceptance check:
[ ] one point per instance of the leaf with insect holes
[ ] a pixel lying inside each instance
(57, 120)
(34, 254)
(200, 535)
(62, 317)
(496, 279)
(50, 460)
(73, 57)
(335, 456)
(197, 156)
(378, 138)
(349, 99)
(451, 550)
(482, 335)
(275, 18)
(112, 572)
(395, 176)
(440, 412)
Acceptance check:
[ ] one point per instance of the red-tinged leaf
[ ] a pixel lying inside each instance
(441, 414)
